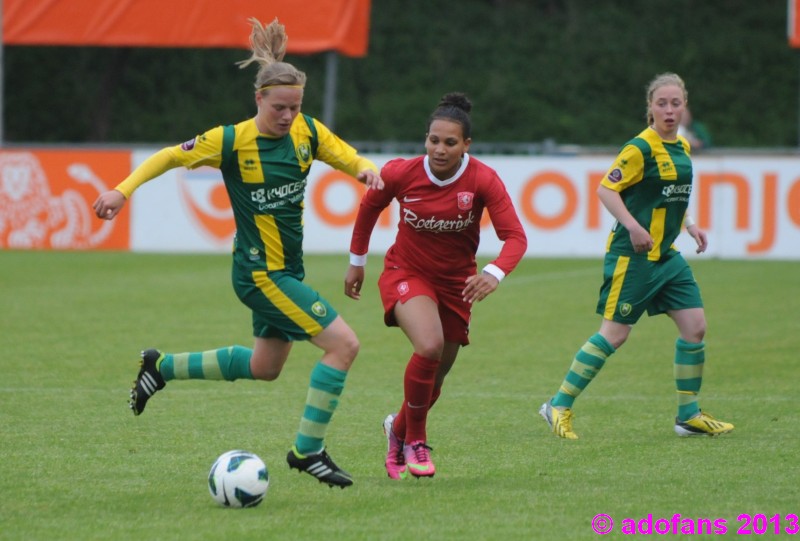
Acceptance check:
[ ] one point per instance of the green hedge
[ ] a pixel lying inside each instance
(565, 71)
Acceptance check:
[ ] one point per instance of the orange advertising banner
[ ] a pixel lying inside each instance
(313, 26)
(793, 22)
(46, 199)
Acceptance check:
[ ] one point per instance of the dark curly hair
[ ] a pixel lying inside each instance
(455, 107)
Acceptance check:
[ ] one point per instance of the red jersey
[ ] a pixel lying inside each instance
(439, 228)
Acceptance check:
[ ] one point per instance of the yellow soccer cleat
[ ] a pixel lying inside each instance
(701, 424)
(559, 419)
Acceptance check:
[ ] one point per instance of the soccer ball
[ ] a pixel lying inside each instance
(238, 479)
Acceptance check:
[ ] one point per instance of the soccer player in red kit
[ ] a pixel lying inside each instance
(430, 278)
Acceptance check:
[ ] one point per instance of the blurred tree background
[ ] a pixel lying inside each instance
(564, 71)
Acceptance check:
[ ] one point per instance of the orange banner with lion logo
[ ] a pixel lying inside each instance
(46, 199)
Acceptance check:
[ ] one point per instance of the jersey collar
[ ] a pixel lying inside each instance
(439, 182)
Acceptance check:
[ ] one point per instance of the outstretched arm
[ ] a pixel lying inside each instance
(110, 203)
(370, 178)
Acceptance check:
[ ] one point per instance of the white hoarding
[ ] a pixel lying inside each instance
(749, 206)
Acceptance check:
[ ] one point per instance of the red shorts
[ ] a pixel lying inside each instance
(399, 285)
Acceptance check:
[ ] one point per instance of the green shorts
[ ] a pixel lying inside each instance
(283, 306)
(632, 284)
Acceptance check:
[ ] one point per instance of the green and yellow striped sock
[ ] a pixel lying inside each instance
(688, 368)
(227, 364)
(324, 390)
(585, 366)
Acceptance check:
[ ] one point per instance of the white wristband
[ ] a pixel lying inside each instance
(358, 260)
(687, 221)
(495, 271)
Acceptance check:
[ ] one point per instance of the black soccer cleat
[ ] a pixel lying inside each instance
(321, 466)
(147, 382)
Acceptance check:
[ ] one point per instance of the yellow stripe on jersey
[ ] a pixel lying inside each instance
(666, 167)
(301, 136)
(657, 232)
(248, 158)
(250, 165)
(616, 286)
(627, 169)
(285, 304)
(271, 237)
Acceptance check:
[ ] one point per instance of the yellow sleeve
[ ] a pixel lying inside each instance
(628, 169)
(338, 154)
(157, 164)
(205, 149)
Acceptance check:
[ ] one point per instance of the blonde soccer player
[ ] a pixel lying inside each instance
(264, 162)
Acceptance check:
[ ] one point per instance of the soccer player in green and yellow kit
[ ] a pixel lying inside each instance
(264, 162)
(647, 190)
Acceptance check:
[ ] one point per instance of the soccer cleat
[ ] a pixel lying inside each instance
(321, 466)
(147, 382)
(701, 424)
(395, 458)
(559, 419)
(418, 459)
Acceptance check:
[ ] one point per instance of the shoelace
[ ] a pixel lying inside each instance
(422, 452)
(565, 422)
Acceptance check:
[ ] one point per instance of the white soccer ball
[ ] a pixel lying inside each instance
(238, 479)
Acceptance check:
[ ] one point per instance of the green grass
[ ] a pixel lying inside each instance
(76, 464)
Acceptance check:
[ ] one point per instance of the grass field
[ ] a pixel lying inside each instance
(76, 464)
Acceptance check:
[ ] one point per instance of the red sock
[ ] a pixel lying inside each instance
(418, 386)
(399, 425)
(435, 396)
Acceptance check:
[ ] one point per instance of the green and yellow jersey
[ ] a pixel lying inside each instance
(654, 179)
(266, 180)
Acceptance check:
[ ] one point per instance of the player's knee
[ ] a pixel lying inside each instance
(268, 376)
(430, 349)
(347, 347)
(265, 372)
(697, 333)
(693, 329)
(617, 341)
(352, 347)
